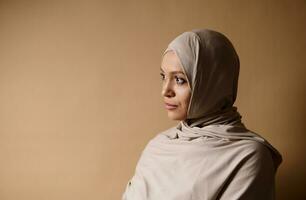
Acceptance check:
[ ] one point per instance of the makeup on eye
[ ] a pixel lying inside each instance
(162, 76)
(178, 79)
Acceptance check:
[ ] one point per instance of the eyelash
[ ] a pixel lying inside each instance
(176, 78)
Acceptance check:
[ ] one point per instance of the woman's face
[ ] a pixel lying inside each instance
(175, 88)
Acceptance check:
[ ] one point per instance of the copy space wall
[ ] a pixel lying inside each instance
(80, 88)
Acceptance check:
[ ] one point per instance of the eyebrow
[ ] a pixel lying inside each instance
(174, 72)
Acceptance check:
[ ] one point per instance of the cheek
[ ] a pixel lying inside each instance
(183, 94)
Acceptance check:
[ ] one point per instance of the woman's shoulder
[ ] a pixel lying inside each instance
(254, 153)
(253, 146)
(162, 135)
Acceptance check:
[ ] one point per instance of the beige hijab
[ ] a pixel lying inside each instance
(211, 65)
(211, 154)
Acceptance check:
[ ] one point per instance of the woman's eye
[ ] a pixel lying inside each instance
(162, 76)
(180, 80)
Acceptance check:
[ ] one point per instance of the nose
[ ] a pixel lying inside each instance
(167, 90)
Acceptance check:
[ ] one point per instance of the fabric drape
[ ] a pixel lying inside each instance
(211, 154)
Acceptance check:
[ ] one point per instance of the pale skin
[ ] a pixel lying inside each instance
(175, 87)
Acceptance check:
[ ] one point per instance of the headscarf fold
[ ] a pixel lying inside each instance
(200, 156)
(211, 64)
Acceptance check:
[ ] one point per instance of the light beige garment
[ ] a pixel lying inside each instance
(210, 155)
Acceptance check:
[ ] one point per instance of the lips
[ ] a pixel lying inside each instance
(170, 106)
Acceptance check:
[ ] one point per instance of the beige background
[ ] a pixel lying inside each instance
(80, 88)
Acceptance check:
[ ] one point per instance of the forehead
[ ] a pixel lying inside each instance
(171, 62)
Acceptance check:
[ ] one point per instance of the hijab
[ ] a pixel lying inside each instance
(199, 157)
(211, 64)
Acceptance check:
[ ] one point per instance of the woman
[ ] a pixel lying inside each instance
(210, 154)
